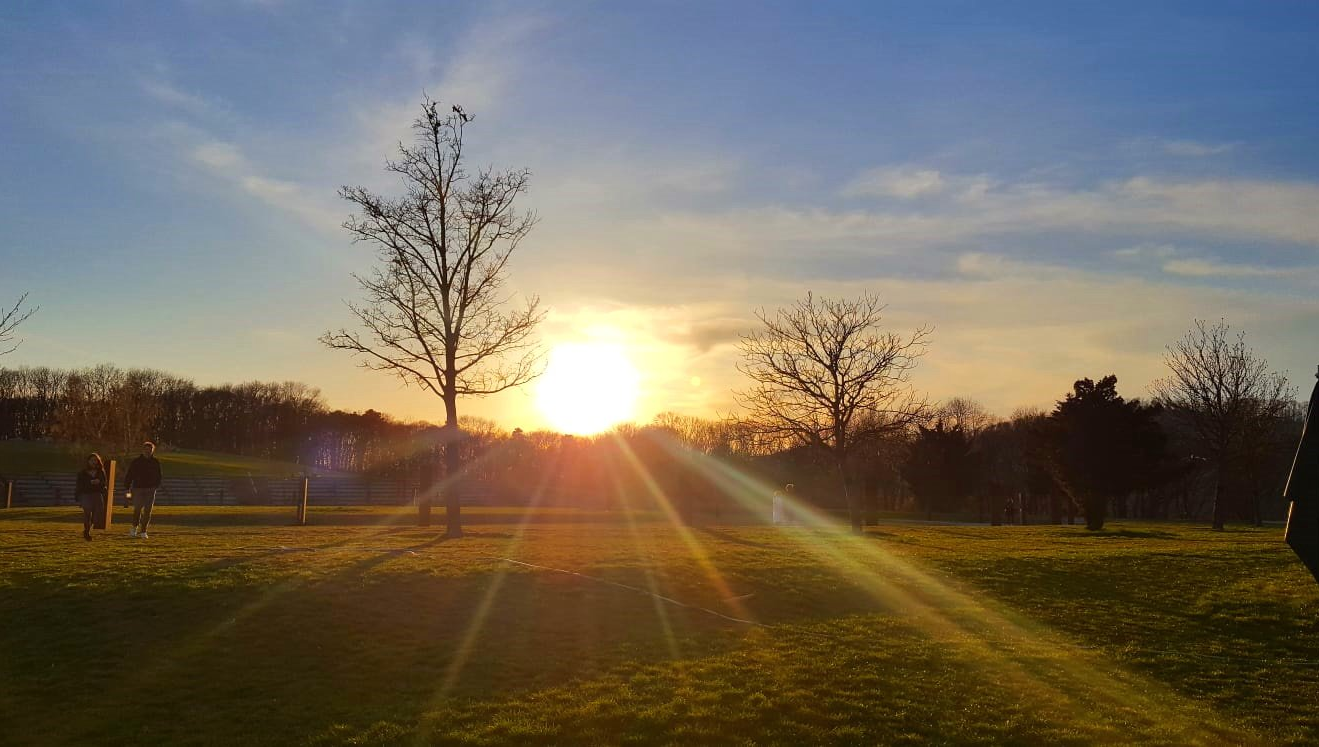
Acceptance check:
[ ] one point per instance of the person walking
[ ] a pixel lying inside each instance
(90, 492)
(141, 483)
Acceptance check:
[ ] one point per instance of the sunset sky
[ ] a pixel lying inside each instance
(1059, 189)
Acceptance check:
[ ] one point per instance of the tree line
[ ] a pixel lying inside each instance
(1095, 455)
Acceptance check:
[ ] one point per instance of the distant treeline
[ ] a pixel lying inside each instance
(118, 408)
(1139, 460)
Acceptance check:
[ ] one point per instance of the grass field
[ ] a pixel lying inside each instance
(228, 626)
(28, 457)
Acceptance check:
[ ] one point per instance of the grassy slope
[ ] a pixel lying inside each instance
(27, 457)
(229, 625)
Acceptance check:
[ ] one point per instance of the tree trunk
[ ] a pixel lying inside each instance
(1095, 510)
(453, 464)
(853, 500)
(1219, 508)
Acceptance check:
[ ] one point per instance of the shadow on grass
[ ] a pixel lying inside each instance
(723, 536)
(329, 516)
(1129, 534)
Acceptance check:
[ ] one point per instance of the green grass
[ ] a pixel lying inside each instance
(28, 457)
(230, 626)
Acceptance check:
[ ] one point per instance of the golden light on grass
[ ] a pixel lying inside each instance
(588, 387)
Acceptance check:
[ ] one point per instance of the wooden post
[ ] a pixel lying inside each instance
(302, 502)
(9, 493)
(107, 516)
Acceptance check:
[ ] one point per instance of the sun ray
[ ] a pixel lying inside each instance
(693, 543)
(1029, 656)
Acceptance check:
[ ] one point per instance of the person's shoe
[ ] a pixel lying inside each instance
(143, 535)
(132, 532)
(87, 536)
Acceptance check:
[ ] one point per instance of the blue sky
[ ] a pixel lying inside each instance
(1060, 189)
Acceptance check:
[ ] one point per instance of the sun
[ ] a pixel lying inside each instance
(588, 387)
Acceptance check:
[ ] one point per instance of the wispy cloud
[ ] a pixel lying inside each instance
(1204, 268)
(1240, 209)
(1178, 147)
(227, 161)
(194, 104)
(895, 182)
(1195, 149)
(909, 182)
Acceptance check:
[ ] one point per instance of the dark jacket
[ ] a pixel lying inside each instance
(93, 483)
(143, 473)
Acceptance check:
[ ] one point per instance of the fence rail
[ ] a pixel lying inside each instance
(57, 489)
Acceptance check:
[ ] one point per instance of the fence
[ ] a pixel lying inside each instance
(58, 490)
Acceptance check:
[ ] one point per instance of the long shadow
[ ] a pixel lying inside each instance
(722, 536)
(1130, 534)
(398, 518)
(227, 563)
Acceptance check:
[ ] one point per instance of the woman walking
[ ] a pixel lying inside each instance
(91, 492)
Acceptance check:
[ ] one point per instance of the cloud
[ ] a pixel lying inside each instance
(1202, 268)
(905, 183)
(911, 182)
(200, 106)
(1215, 208)
(1180, 148)
(218, 156)
(1194, 149)
(479, 76)
(1144, 251)
(228, 162)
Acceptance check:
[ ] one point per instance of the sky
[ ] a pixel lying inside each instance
(1059, 189)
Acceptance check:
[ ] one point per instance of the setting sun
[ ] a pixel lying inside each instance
(587, 388)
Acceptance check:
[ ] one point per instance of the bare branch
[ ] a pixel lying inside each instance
(9, 322)
(435, 310)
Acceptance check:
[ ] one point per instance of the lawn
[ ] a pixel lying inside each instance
(28, 457)
(231, 626)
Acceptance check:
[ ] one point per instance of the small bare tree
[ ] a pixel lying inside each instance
(826, 375)
(9, 322)
(1227, 395)
(436, 314)
(967, 414)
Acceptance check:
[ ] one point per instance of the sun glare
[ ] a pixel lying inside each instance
(587, 388)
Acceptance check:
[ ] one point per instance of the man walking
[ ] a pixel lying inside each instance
(141, 482)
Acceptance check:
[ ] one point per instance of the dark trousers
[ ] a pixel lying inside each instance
(143, 501)
(93, 508)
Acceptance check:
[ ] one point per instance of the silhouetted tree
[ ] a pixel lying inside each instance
(940, 466)
(825, 375)
(1103, 446)
(435, 313)
(1229, 396)
(9, 322)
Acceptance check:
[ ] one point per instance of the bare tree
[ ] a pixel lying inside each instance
(9, 322)
(1227, 394)
(967, 414)
(824, 374)
(436, 313)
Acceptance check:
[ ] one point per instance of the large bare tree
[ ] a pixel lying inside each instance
(9, 321)
(436, 313)
(1228, 396)
(825, 374)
